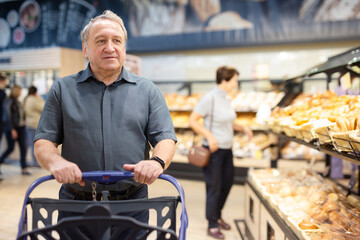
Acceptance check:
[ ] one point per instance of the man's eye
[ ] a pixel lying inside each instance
(101, 41)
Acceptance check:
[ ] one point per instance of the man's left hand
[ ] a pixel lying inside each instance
(146, 171)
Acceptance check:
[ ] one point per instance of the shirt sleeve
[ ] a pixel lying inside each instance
(50, 126)
(160, 125)
(203, 107)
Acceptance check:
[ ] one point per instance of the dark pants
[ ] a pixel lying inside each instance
(142, 216)
(219, 177)
(11, 145)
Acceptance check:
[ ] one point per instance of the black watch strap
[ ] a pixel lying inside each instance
(162, 163)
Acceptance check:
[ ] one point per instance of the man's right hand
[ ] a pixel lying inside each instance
(67, 172)
(49, 157)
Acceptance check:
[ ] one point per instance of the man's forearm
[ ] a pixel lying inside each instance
(165, 149)
(46, 153)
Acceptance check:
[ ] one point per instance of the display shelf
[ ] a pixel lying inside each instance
(331, 150)
(328, 149)
(185, 110)
(337, 63)
(238, 162)
(280, 221)
(189, 110)
(181, 168)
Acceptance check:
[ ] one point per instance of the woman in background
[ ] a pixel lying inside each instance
(14, 120)
(33, 105)
(219, 173)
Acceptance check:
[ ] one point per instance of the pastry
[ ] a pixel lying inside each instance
(331, 206)
(322, 216)
(306, 225)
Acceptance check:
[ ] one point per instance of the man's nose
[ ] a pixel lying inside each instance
(109, 46)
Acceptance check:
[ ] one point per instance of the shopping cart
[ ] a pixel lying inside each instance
(100, 220)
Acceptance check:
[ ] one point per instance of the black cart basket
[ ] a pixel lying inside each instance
(102, 220)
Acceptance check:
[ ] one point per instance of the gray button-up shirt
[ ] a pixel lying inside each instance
(103, 127)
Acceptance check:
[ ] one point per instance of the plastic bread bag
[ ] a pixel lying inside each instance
(335, 215)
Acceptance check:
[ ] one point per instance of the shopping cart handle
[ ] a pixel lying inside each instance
(107, 177)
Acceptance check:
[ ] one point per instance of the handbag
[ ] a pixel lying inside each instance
(199, 155)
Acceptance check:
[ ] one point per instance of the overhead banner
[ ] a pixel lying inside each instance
(168, 25)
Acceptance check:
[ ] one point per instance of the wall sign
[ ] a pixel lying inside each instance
(167, 25)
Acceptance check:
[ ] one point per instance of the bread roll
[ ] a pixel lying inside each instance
(306, 225)
(331, 206)
(320, 217)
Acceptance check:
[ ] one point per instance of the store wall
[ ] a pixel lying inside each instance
(40, 67)
(72, 61)
(269, 62)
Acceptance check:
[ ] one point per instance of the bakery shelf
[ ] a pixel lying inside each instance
(353, 157)
(331, 150)
(180, 109)
(337, 63)
(281, 221)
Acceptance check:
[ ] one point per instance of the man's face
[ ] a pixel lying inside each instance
(105, 47)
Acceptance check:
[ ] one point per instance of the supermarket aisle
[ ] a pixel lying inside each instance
(14, 185)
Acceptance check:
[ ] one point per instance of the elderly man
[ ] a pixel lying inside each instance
(106, 119)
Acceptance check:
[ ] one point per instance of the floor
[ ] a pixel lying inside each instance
(14, 186)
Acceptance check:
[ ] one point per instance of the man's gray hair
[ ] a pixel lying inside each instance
(107, 14)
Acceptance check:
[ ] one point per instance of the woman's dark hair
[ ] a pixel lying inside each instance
(2, 77)
(225, 73)
(32, 90)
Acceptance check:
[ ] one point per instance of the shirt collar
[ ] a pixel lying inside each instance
(124, 75)
(219, 92)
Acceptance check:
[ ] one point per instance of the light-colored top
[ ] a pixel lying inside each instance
(223, 116)
(33, 106)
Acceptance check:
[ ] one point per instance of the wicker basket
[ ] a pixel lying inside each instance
(342, 140)
(305, 132)
(323, 133)
(355, 139)
(285, 124)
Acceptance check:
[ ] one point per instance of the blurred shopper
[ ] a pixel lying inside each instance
(3, 81)
(33, 105)
(219, 173)
(14, 127)
(105, 118)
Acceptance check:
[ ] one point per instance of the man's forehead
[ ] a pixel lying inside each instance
(114, 25)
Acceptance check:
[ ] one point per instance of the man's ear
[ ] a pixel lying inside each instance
(84, 49)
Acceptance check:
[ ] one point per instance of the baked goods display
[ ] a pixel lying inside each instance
(177, 102)
(242, 102)
(243, 148)
(324, 117)
(293, 150)
(251, 101)
(313, 206)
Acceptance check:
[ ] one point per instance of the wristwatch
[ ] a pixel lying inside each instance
(162, 163)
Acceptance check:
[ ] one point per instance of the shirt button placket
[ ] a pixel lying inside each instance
(107, 128)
